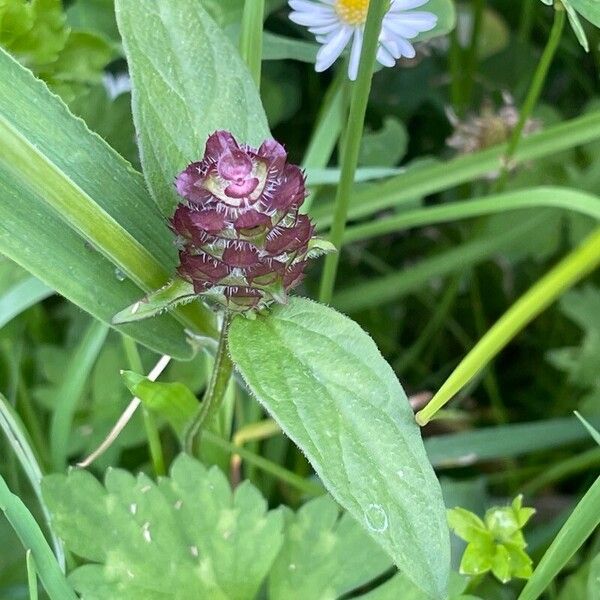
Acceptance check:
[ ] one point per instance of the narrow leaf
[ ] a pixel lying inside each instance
(169, 296)
(324, 381)
(32, 538)
(76, 215)
(582, 523)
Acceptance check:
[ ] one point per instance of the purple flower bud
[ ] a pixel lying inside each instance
(243, 243)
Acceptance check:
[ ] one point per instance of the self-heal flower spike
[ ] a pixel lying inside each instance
(339, 23)
(243, 243)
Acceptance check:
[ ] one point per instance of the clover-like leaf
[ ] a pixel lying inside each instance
(186, 537)
(495, 544)
(324, 555)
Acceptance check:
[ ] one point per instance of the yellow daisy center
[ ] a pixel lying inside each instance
(352, 12)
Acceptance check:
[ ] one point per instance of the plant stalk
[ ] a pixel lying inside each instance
(351, 141)
(579, 263)
(215, 392)
(534, 92)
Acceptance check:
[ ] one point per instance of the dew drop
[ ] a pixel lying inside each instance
(292, 567)
(376, 518)
(400, 473)
(120, 275)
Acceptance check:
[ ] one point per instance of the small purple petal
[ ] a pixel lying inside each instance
(251, 219)
(242, 189)
(241, 254)
(234, 166)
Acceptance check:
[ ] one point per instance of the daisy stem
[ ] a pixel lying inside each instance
(351, 141)
(251, 37)
(215, 391)
(533, 94)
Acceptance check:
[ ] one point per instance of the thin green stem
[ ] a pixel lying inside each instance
(216, 389)
(455, 65)
(567, 273)
(351, 141)
(526, 20)
(472, 55)
(251, 37)
(534, 92)
(152, 433)
(308, 487)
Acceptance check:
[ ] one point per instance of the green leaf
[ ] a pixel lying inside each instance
(589, 9)
(324, 555)
(279, 47)
(504, 441)
(385, 147)
(17, 437)
(18, 291)
(173, 401)
(97, 16)
(34, 32)
(582, 523)
(77, 216)
(325, 382)
(446, 14)
(188, 81)
(466, 524)
(32, 538)
(169, 296)
(187, 537)
(592, 430)
(71, 388)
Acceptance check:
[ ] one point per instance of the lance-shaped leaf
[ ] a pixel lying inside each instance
(76, 215)
(325, 382)
(188, 81)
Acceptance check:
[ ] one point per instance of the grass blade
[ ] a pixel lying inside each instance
(567, 273)
(543, 197)
(504, 441)
(33, 539)
(31, 576)
(17, 437)
(583, 521)
(70, 391)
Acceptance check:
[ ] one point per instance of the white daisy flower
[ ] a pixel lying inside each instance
(336, 23)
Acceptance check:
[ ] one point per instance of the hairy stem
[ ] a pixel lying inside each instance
(215, 392)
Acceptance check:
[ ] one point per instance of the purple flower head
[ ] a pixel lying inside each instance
(243, 242)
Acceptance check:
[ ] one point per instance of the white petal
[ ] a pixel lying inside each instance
(399, 5)
(355, 54)
(325, 29)
(398, 28)
(405, 48)
(309, 6)
(385, 58)
(330, 52)
(310, 20)
(423, 21)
